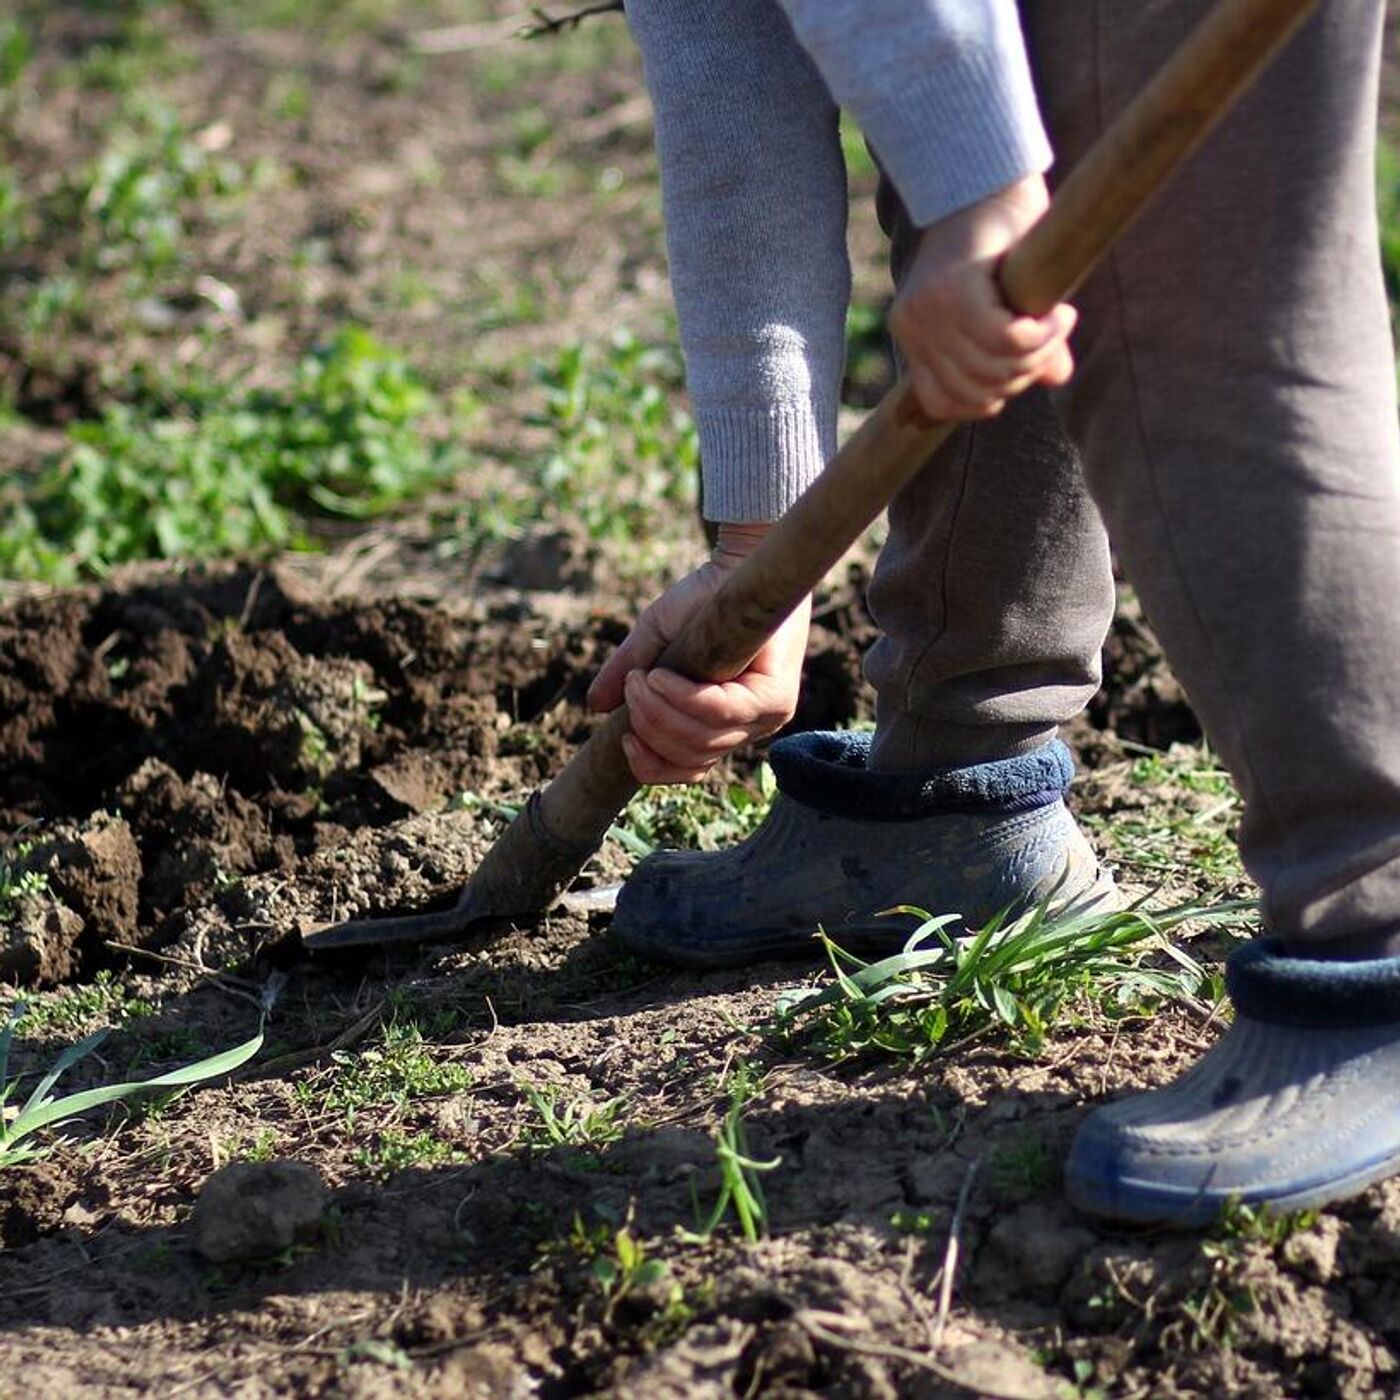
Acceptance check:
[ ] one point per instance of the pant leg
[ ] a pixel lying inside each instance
(1235, 407)
(994, 589)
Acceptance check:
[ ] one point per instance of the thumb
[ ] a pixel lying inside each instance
(642, 645)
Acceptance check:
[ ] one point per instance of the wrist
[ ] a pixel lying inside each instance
(988, 227)
(735, 542)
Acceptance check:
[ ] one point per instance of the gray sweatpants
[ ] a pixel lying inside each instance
(1234, 417)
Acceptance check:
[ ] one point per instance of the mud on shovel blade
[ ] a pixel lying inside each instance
(546, 845)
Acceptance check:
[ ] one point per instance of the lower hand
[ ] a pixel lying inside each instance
(682, 728)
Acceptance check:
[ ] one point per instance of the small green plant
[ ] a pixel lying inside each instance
(42, 1110)
(1233, 1274)
(397, 1072)
(394, 1150)
(1014, 973)
(1273, 1228)
(575, 1123)
(918, 1222)
(16, 49)
(72, 1008)
(230, 472)
(1023, 1168)
(134, 204)
(860, 164)
(622, 451)
(741, 1189)
(18, 885)
(262, 1147)
(869, 360)
(628, 1271)
(700, 818)
(1184, 829)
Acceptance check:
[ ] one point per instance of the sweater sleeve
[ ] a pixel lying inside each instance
(941, 87)
(754, 193)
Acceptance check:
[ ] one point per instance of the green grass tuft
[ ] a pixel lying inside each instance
(1016, 975)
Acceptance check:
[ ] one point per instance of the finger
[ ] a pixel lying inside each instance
(639, 648)
(1060, 369)
(714, 704)
(965, 399)
(649, 767)
(1051, 368)
(680, 740)
(1006, 335)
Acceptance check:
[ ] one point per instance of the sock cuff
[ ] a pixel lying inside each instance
(829, 772)
(1320, 994)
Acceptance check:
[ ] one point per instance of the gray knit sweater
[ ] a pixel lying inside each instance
(754, 186)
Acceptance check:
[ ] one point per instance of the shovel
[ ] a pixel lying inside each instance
(546, 845)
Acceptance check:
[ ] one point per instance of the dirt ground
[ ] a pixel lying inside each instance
(154, 741)
(198, 763)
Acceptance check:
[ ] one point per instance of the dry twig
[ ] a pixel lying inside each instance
(546, 24)
(950, 1257)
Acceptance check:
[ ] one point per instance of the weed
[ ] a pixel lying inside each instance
(740, 1187)
(102, 999)
(1214, 1310)
(575, 1123)
(288, 97)
(395, 1073)
(1023, 1168)
(175, 1043)
(530, 179)
(622, 452)
(42, 1110)
(696, 817)
(18, 885)
(394, 1150)
(135, 202)
(869, 361)
(379, 1351)
(233, 473)
(13, 212)
(860, 164)
(1274, 1228)
(629, 1271)
(1185, 830)
(314, 752)
(262, 1148)
(1015, 973)
(918, 1222)
(128, 58)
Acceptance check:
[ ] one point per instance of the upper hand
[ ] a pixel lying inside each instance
(966, 352)
(681, 728)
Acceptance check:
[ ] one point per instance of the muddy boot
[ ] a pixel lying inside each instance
(1297, 1105)
(843, 844)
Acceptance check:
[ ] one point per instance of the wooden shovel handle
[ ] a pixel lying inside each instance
(1167, 121)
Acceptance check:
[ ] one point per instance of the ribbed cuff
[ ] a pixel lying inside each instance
(756, 460)
(1267, 985)
(829, 771)
(960, 132)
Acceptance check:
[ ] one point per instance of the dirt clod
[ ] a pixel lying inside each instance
(39, 942)
(250, 1210)
(90, 875)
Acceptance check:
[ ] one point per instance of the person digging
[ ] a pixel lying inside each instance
(1221, 406)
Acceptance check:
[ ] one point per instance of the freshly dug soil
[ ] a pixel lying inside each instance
(162, 743)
